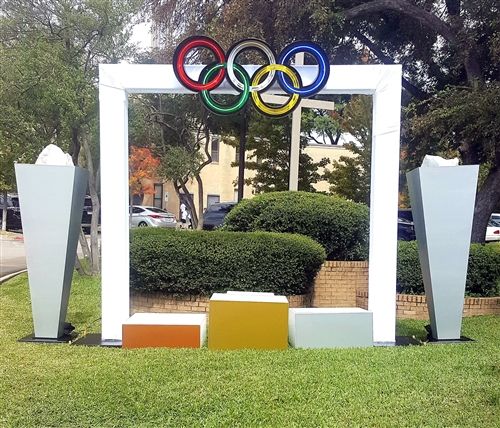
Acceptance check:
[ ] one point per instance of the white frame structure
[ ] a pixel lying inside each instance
(116, 81)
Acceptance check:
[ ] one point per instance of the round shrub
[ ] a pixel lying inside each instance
(339, 225)
(483, 273)
(197, 262)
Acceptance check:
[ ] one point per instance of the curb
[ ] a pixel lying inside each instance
(11, 275)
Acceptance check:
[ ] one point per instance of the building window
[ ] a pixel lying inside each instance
(158, 196)
(212, 199)
(214, 153)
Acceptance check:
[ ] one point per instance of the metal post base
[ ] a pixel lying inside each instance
(65, 338)
(94, 339)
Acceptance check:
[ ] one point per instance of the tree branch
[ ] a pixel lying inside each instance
(404, 7)
(410, 87)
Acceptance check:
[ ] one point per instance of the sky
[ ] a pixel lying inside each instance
(141, 35)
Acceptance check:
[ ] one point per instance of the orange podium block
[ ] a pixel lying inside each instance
(245, 320)
(155, 330)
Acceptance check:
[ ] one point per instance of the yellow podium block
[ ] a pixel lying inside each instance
(244, 320)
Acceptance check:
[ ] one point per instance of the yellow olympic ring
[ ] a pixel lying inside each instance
(285, 108)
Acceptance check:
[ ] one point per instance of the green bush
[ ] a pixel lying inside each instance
(339, 225)
(483, 273)
(196, 262)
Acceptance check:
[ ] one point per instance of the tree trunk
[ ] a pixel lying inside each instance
(190, 203)
(486, 200)
(4, 211)
(74, 150)
(84, 245)
(95, 259)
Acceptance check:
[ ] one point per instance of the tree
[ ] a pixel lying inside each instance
(269, 140)
(57, 46)
(456, 75)
(440, 44)
(142, 166)
(176, 129)
(350, 177)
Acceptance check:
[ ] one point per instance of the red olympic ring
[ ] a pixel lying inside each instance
(180, 54)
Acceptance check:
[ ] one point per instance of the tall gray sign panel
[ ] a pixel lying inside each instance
(442, 202)
(51, 200)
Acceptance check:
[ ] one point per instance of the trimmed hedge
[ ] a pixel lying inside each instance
(339, 225)
(198, 262)
(483, 273)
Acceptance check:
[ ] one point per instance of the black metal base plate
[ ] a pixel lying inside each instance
(432, 340)
(94, 339)
(463, 339)
(66, 338)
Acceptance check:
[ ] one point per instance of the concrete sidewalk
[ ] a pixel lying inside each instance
(12, 255)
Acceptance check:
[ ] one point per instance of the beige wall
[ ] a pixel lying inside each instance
(220, 178)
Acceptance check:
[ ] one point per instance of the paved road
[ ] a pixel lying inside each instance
(12, 256)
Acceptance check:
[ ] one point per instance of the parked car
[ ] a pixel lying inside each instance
(13, 212)
(143, 216)
(406, 230)
(87, 214)
(214, 215)
(493, 229)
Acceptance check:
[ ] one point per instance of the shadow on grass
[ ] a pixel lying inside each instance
(412, 328)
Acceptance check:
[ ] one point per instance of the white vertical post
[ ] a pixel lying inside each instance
(114, 211)
(383, 207)
(293, 183)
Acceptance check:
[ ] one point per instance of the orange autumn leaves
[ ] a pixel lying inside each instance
(142, 168)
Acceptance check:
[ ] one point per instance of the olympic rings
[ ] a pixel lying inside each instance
(244, 45)
(288, 78)
(210, 103)
(285, 108)
(323, 69)
(180, 54)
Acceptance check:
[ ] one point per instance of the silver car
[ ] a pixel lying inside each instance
(142, 216)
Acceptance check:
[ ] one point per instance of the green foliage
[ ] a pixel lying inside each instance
(200, 262)
(350, 177)
(49, 56)
(483, 273)
(340, 226)
(178, 163)
(454, 116)
(324, 124)
(270, 141)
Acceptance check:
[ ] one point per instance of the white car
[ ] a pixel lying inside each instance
(493, 229)
(143, 216)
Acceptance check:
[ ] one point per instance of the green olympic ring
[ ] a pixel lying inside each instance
(213, 105)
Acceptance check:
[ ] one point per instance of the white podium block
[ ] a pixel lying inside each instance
(330, 327)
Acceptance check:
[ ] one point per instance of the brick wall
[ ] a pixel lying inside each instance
(160, 302)
(338, 284)
(415, 307)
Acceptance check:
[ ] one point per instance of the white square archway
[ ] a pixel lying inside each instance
(383, 82)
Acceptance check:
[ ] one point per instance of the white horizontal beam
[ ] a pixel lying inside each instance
(304, 102)
(160, 78)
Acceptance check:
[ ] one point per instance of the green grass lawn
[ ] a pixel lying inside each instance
(62, 385)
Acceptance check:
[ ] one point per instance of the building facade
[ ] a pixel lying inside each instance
(220, 178)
